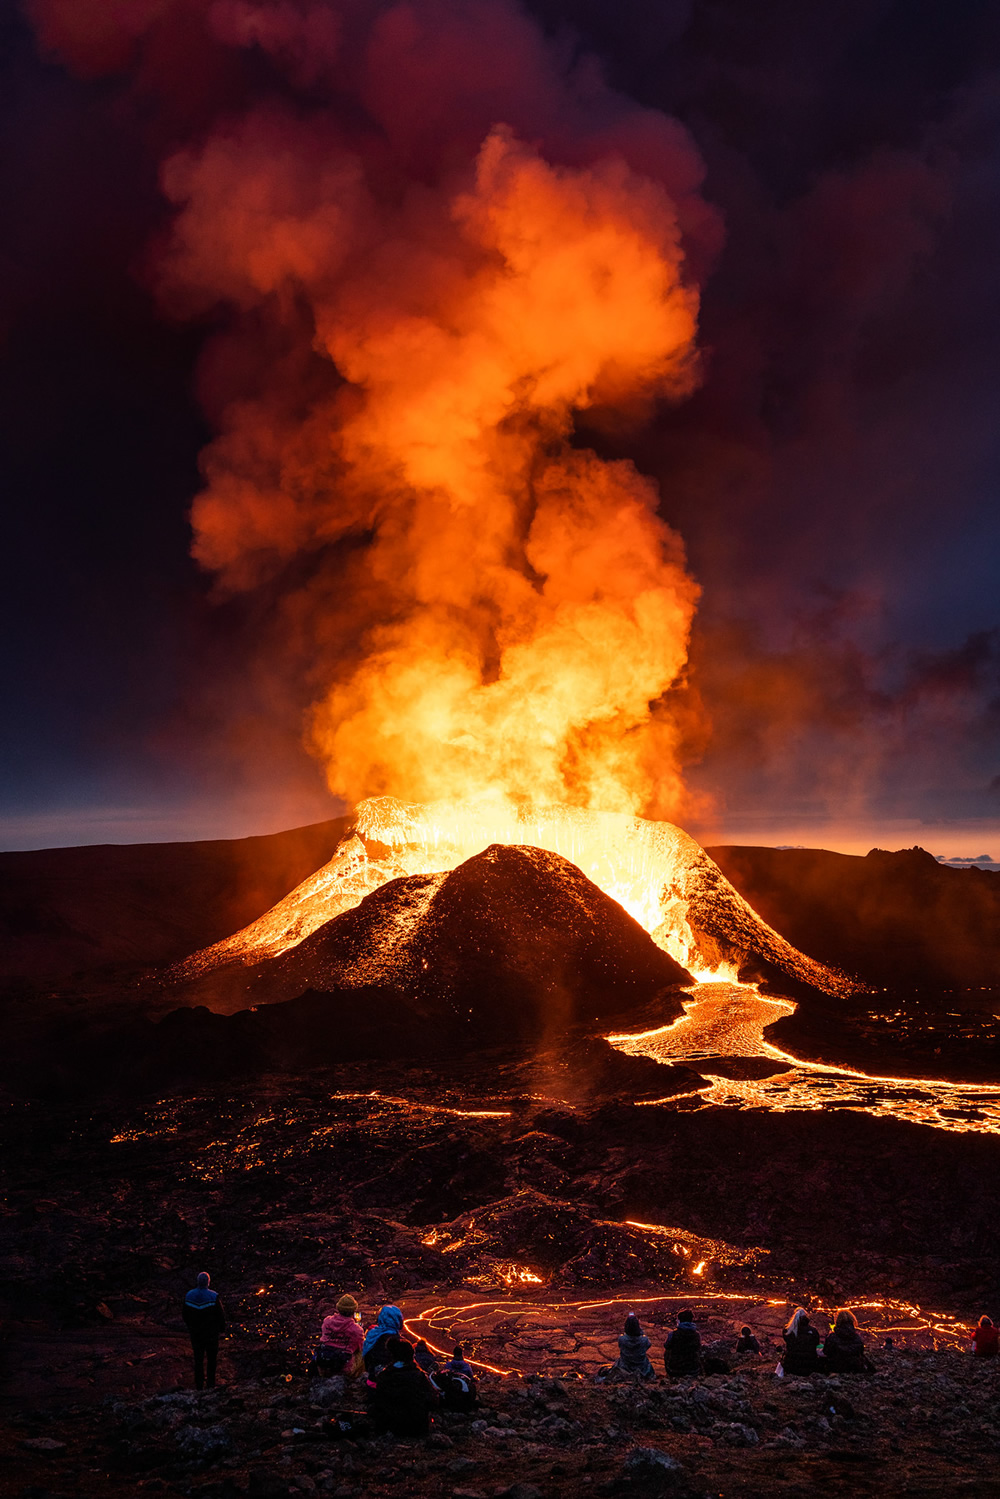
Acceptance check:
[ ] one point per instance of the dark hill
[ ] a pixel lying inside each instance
(900, 920)
(66, 911)
(514, 948)
(513, 944)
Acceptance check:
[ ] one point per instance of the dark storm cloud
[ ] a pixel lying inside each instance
(834, 477)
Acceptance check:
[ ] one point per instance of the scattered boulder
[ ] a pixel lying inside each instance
(203, 1442)
(652, 1462)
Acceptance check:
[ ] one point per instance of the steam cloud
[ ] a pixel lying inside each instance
(482, 241)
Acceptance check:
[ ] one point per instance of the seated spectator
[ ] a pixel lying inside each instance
(986, 1339)
(404, 1396)
(747, 1342)
(457, 1363)
(340, 1339)
(633, 1355)
(844, 1350)
(681, 1352)
(389, 1325)
(424, 1358)
(456, 1382)
(801, 1340)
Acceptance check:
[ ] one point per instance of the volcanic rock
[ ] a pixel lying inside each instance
(690, 907)
(514, 944)
(515, 947)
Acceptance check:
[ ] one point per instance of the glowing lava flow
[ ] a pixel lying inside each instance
(723, 1020)
(657, 872)
(579, 1336)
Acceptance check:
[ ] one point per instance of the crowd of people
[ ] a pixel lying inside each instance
(403, 1381)
(842, 1351)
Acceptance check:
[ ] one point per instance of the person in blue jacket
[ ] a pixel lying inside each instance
(204, 1320)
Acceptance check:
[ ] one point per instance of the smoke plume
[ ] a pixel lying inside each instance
(426, 245)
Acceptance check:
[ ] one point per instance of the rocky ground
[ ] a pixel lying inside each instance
(516, 1203)
(924, 1424)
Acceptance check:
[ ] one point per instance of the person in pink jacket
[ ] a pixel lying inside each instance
(340, 1339)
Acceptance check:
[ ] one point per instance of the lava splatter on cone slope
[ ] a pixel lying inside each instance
(514, 942)
(654, 870)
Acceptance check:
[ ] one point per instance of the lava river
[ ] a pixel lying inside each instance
(729, 1020)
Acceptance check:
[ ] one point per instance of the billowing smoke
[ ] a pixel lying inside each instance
(428, 244)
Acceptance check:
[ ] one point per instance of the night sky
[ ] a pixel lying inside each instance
(834, 476)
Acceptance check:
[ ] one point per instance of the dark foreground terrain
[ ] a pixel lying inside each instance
(522, 1199)
(524, 1206)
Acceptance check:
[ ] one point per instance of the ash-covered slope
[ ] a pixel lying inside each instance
(514, 944)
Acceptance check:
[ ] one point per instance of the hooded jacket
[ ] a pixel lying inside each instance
(343, 1332)
(389, 1325)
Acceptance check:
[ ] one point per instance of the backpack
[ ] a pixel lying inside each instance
(348, 1426)
(331, 1360)
(458, 1391)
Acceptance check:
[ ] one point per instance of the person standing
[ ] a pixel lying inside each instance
(204, 1320)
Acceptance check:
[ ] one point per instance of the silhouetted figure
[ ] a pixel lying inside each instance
(801, 1340)
(339, 1348)
(633, 1355)
(681, 1352)
(457, 1363)
(986, 1339)
(424, 1358)
(747, 1343)
(204, 1320)
(456, 1382)
(404, 1396)
(844, 1349)
(389, 1325)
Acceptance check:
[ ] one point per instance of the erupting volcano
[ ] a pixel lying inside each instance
(654, 871)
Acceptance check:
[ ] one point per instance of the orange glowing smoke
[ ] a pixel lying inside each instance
(409, 305)
(533, 606)
(574, 294)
